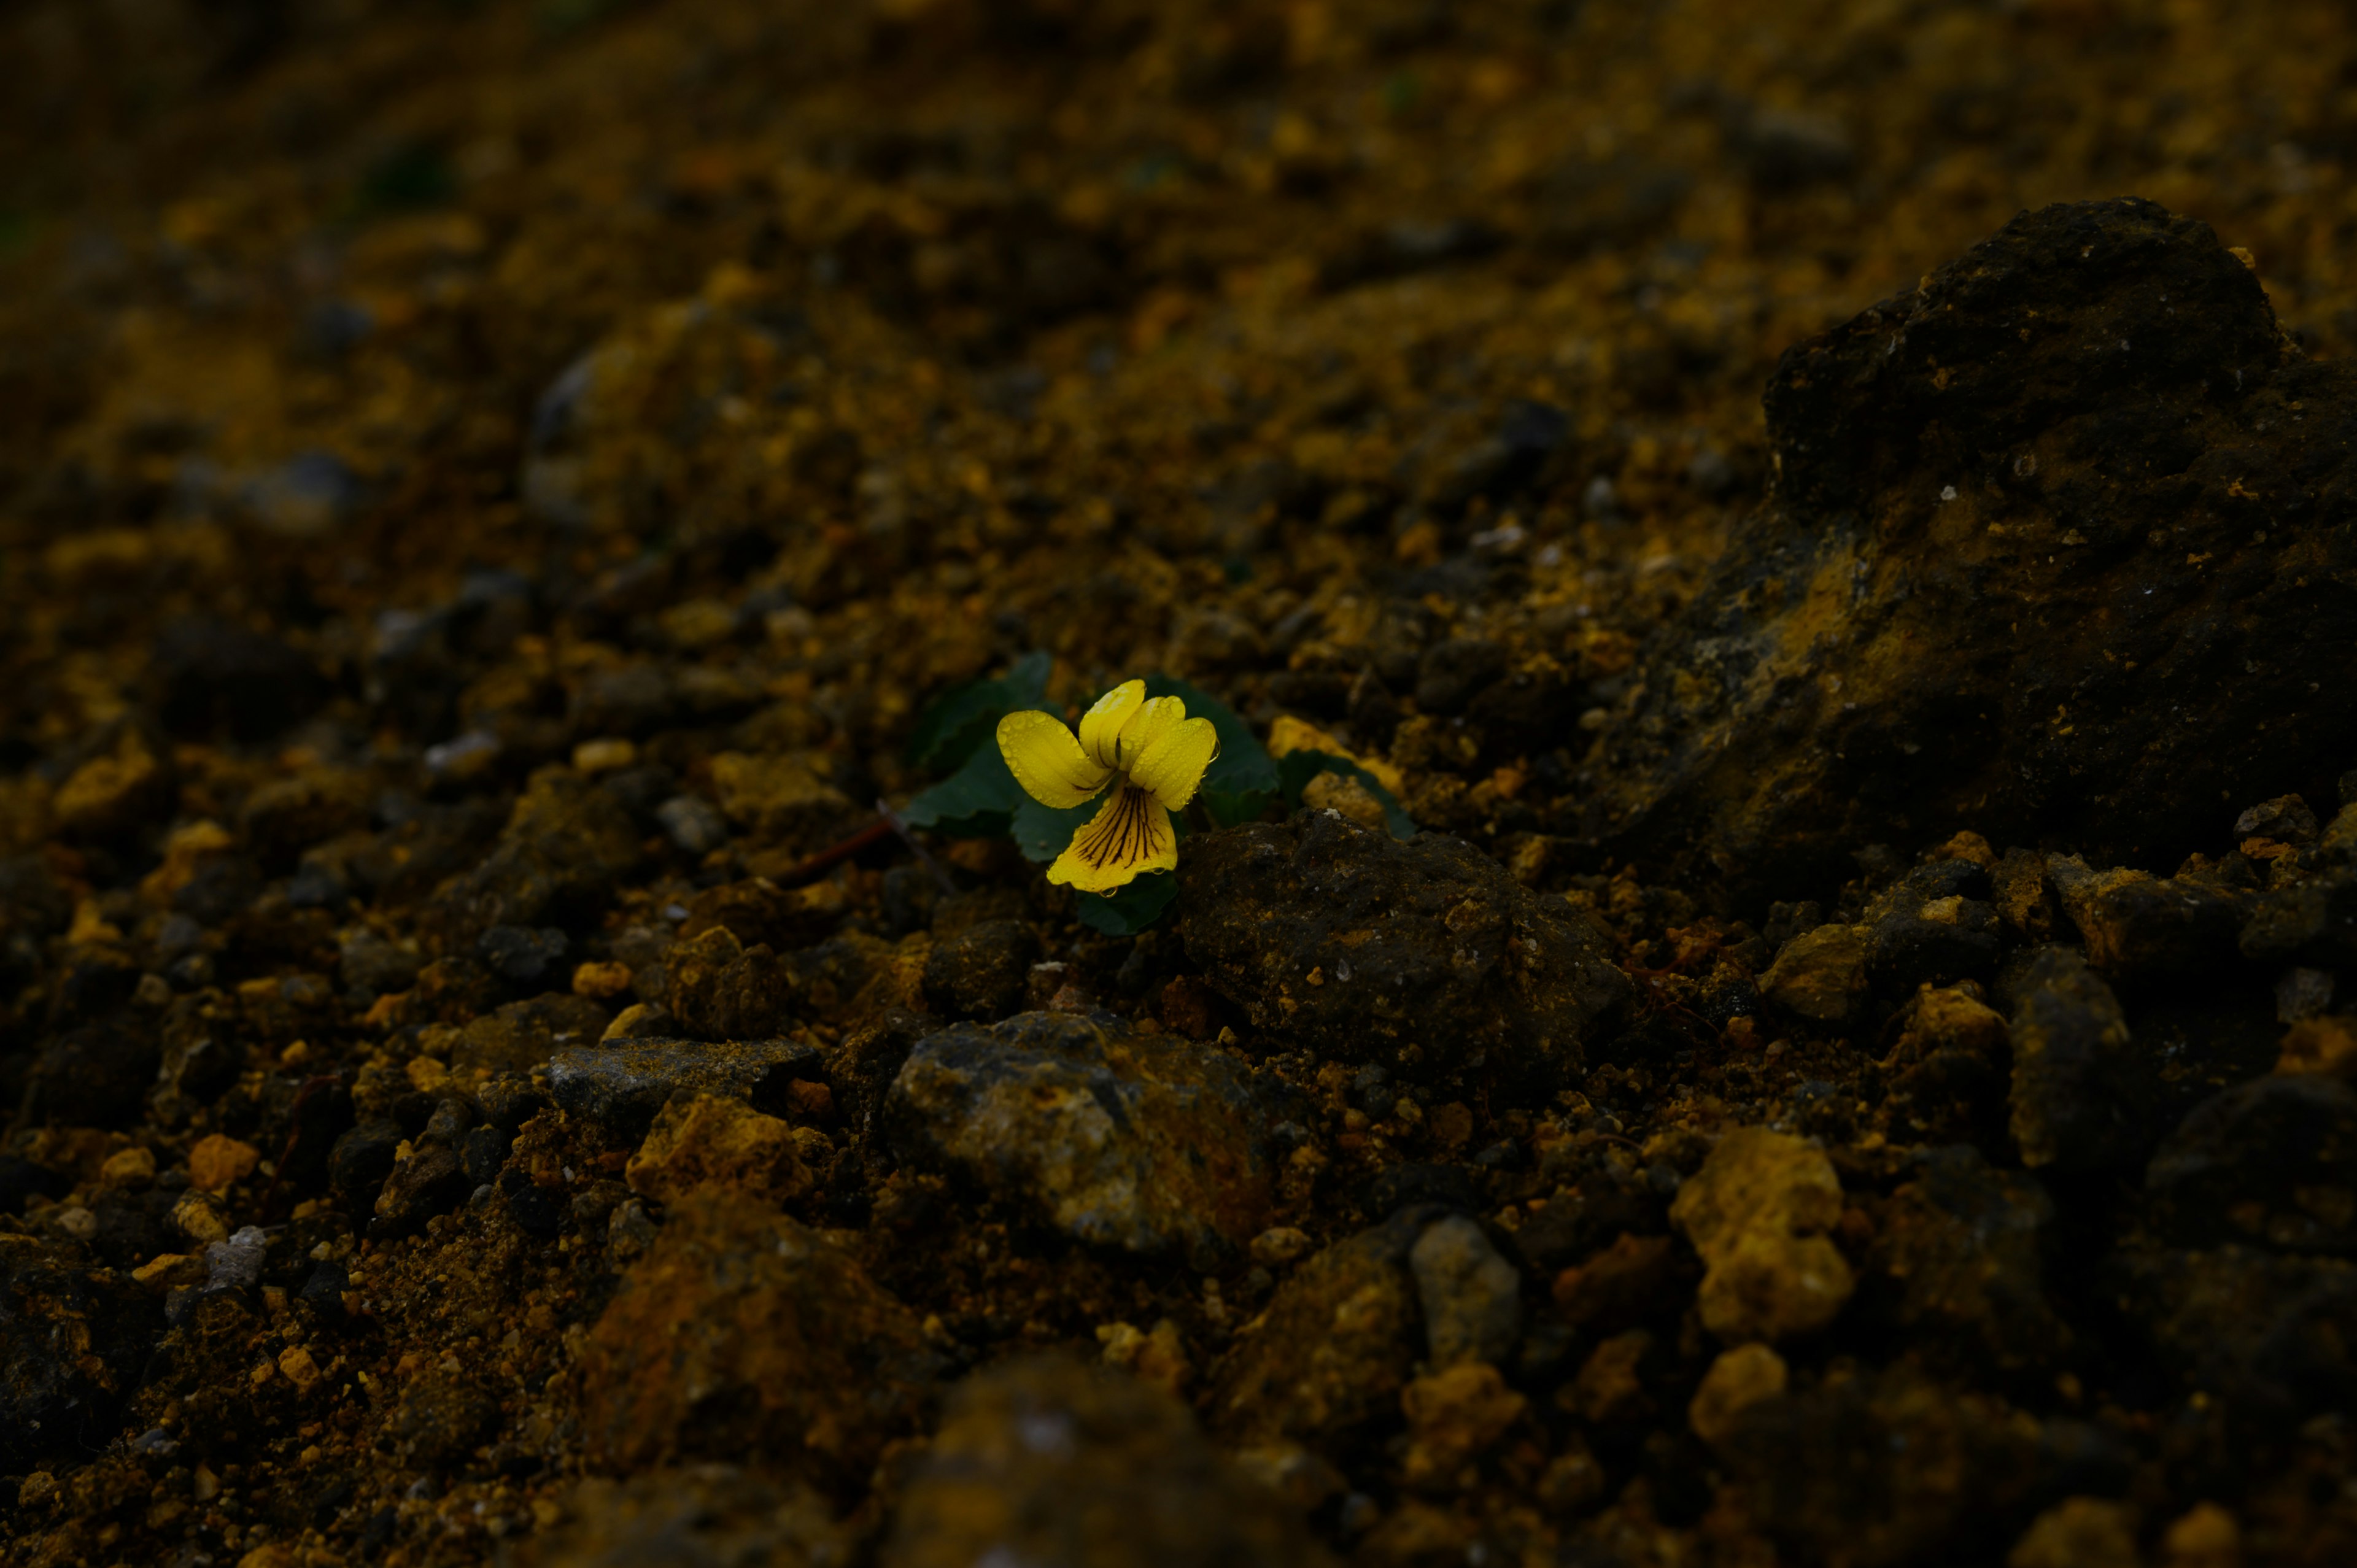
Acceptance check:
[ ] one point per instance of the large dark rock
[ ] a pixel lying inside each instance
(1138, 1142)
(2058, 544)
(1424, 955)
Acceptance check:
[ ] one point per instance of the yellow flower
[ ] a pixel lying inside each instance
(1147, 749)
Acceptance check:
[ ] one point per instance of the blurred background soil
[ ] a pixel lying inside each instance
(485, 489)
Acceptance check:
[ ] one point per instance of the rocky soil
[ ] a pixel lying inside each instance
(1836, 522)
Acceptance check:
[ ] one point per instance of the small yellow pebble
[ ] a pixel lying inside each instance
(128, 1167)
(218, 1161)
(610, 755)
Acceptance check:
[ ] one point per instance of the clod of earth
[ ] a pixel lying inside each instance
(2055, 538)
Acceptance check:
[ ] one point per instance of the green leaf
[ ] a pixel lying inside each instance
(1043, 832)
(1131, 909)
(978, 800)
(956, 723)
(1300, 767)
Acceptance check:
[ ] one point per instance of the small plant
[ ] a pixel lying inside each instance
(1146, 748)
(1105, 808)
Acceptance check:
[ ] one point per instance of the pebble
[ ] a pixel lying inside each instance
(1934, 925)
(2082, 1095)
(714, 1514)
(693, 823)
(521, 1035)
(1472, 1296)
(1757, 1211)
(705, 1140)
(1324, 1364)
(361, 1158)
(1819, 975)
(1455, 1415)
(236, 1263)
(623, 1084)
(216, 1162)
(534, 959)
(2079, 1533)
(1050, 1463)
(1279, 1246)
(1137, 1142)
(1958, 1268)
(2270, 1337)
(434, 1180)
(1741, 1378)
(738, 1331)
(2143, 931)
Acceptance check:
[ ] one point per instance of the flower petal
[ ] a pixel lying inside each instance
(1131, 834)
(1101, 726)
(1047, 761)
(1172, 768)
(1157, 717)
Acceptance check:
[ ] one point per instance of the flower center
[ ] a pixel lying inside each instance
(1119, 832)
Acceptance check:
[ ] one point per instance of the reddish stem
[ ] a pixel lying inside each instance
(834, 855)
(294, 1134)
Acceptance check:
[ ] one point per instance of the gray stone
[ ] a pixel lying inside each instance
(1139, 1142)
(236, 1263)
(1472, 1296)
(694, 823)
(621, 1085)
